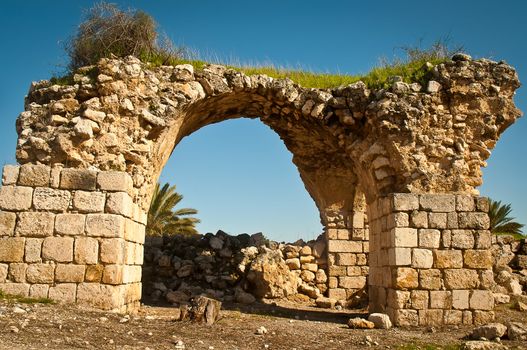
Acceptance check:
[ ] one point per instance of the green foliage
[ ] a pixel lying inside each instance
(107, 31)
(24, 300)
(163, 219)
(501, 222)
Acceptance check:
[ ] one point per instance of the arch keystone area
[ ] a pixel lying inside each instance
(392, 171)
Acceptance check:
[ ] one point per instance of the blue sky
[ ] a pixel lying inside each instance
(238, 174)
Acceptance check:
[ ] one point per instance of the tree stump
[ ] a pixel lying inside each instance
(201, 309)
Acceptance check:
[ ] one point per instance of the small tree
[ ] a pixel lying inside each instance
(106, 31)
(500, 220)
(163, 219)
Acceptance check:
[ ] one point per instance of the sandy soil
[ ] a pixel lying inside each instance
(38, 326)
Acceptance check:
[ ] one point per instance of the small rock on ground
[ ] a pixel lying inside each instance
(360, 323)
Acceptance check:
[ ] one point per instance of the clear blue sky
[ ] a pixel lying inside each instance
(238, 174)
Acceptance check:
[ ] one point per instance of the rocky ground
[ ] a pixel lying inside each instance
(259, 326)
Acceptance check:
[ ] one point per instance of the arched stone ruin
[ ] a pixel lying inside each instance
(74, 212)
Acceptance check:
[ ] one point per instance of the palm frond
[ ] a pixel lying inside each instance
(501, 220)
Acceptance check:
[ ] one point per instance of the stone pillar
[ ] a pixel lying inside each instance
(71, 235)
(347, 246)
(430, 262)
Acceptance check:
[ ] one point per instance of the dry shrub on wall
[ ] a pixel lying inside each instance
(107, 30)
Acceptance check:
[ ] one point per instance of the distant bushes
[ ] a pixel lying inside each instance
(107, 30)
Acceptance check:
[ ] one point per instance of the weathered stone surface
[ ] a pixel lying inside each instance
(119, 203)
(438, 202)
(270, 277)
(70, 224)
(104, 225)
(89, 202)
(78, 179)
(489, 331)
(69, 273)
(481, 300)
(40, 273)
(35, 224)
(381, 321)
(461, 279)
(429, 238)
(114, 181)
(448, 259)
(422, 258)
(517, 331)
(86, 250)
(101, 296)
(478, 259)
(405, 278)
(336, 246)
(478, 221)
(58, 249)
(10, 174)
(112, 250)
(63, 292)
(483, 345)
(15, 198)
(12, 249)
(7, 223)
(34, 175)
(360, 323)
(45, 198)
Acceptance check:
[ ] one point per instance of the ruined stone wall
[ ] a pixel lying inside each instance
(71, 235)
(431, 262)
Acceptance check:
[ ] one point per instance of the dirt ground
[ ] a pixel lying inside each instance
(37, 326)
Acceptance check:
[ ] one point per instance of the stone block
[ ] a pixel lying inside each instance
(35, 224)
(12, 249)
(359, 234)
(333, 282)
(89, 202)
(446, 239)
(400, 219)
(343, 234)
(405, 201)
(17, 272)
(482, 317)
(362, 259)
(337, 271)
(461, 279)
(337, 293)
(481, 300)
(114, 181)
(460, 299)
(63, 293)
(405, 278)
(406, 318)
(16, 198)
(419, 299)
(70, 224)
(293, 264)
(357, 282)
(105, 225)
(34, 175)
(4, 268)
(40, 273)
(430, 279)
(482, 204)
(431, 317)
(479, 221)
(465, 203)
(45, 198)
(346, 259)
(58, 249)
(310, 267)
(33, 250)
(403, 237)
(19, 289)
(119, 203)
(429, 238)
(69, 273)
(440, 299)
(38, 291)
(341, 246)
(419, 219)
(358, 219)
(131, 274)
(462, 239)
(7, 223)
(486, 278)
(112, 251)
(398, 299)
(94, 273)
(452, 317)
(10, 174)
(86, 250)
(483, 239)
(446, 259)
(354, 271)
(422, 258)
(113, 274)
(78, 179)
(400, 256)
(54, 180)
(437, 220)
(478, 259)
(443, 203)
(451, 220)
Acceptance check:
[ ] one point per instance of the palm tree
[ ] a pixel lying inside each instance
(500, 220)
(163, 219)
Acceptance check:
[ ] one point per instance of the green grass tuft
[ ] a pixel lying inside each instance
(24, 300)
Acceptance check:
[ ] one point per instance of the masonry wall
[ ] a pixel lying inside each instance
(71, 235)
(430, 262)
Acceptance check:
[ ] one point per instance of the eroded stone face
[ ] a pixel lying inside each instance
(406, 138)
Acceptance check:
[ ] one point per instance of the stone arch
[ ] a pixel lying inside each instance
(74, 211)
